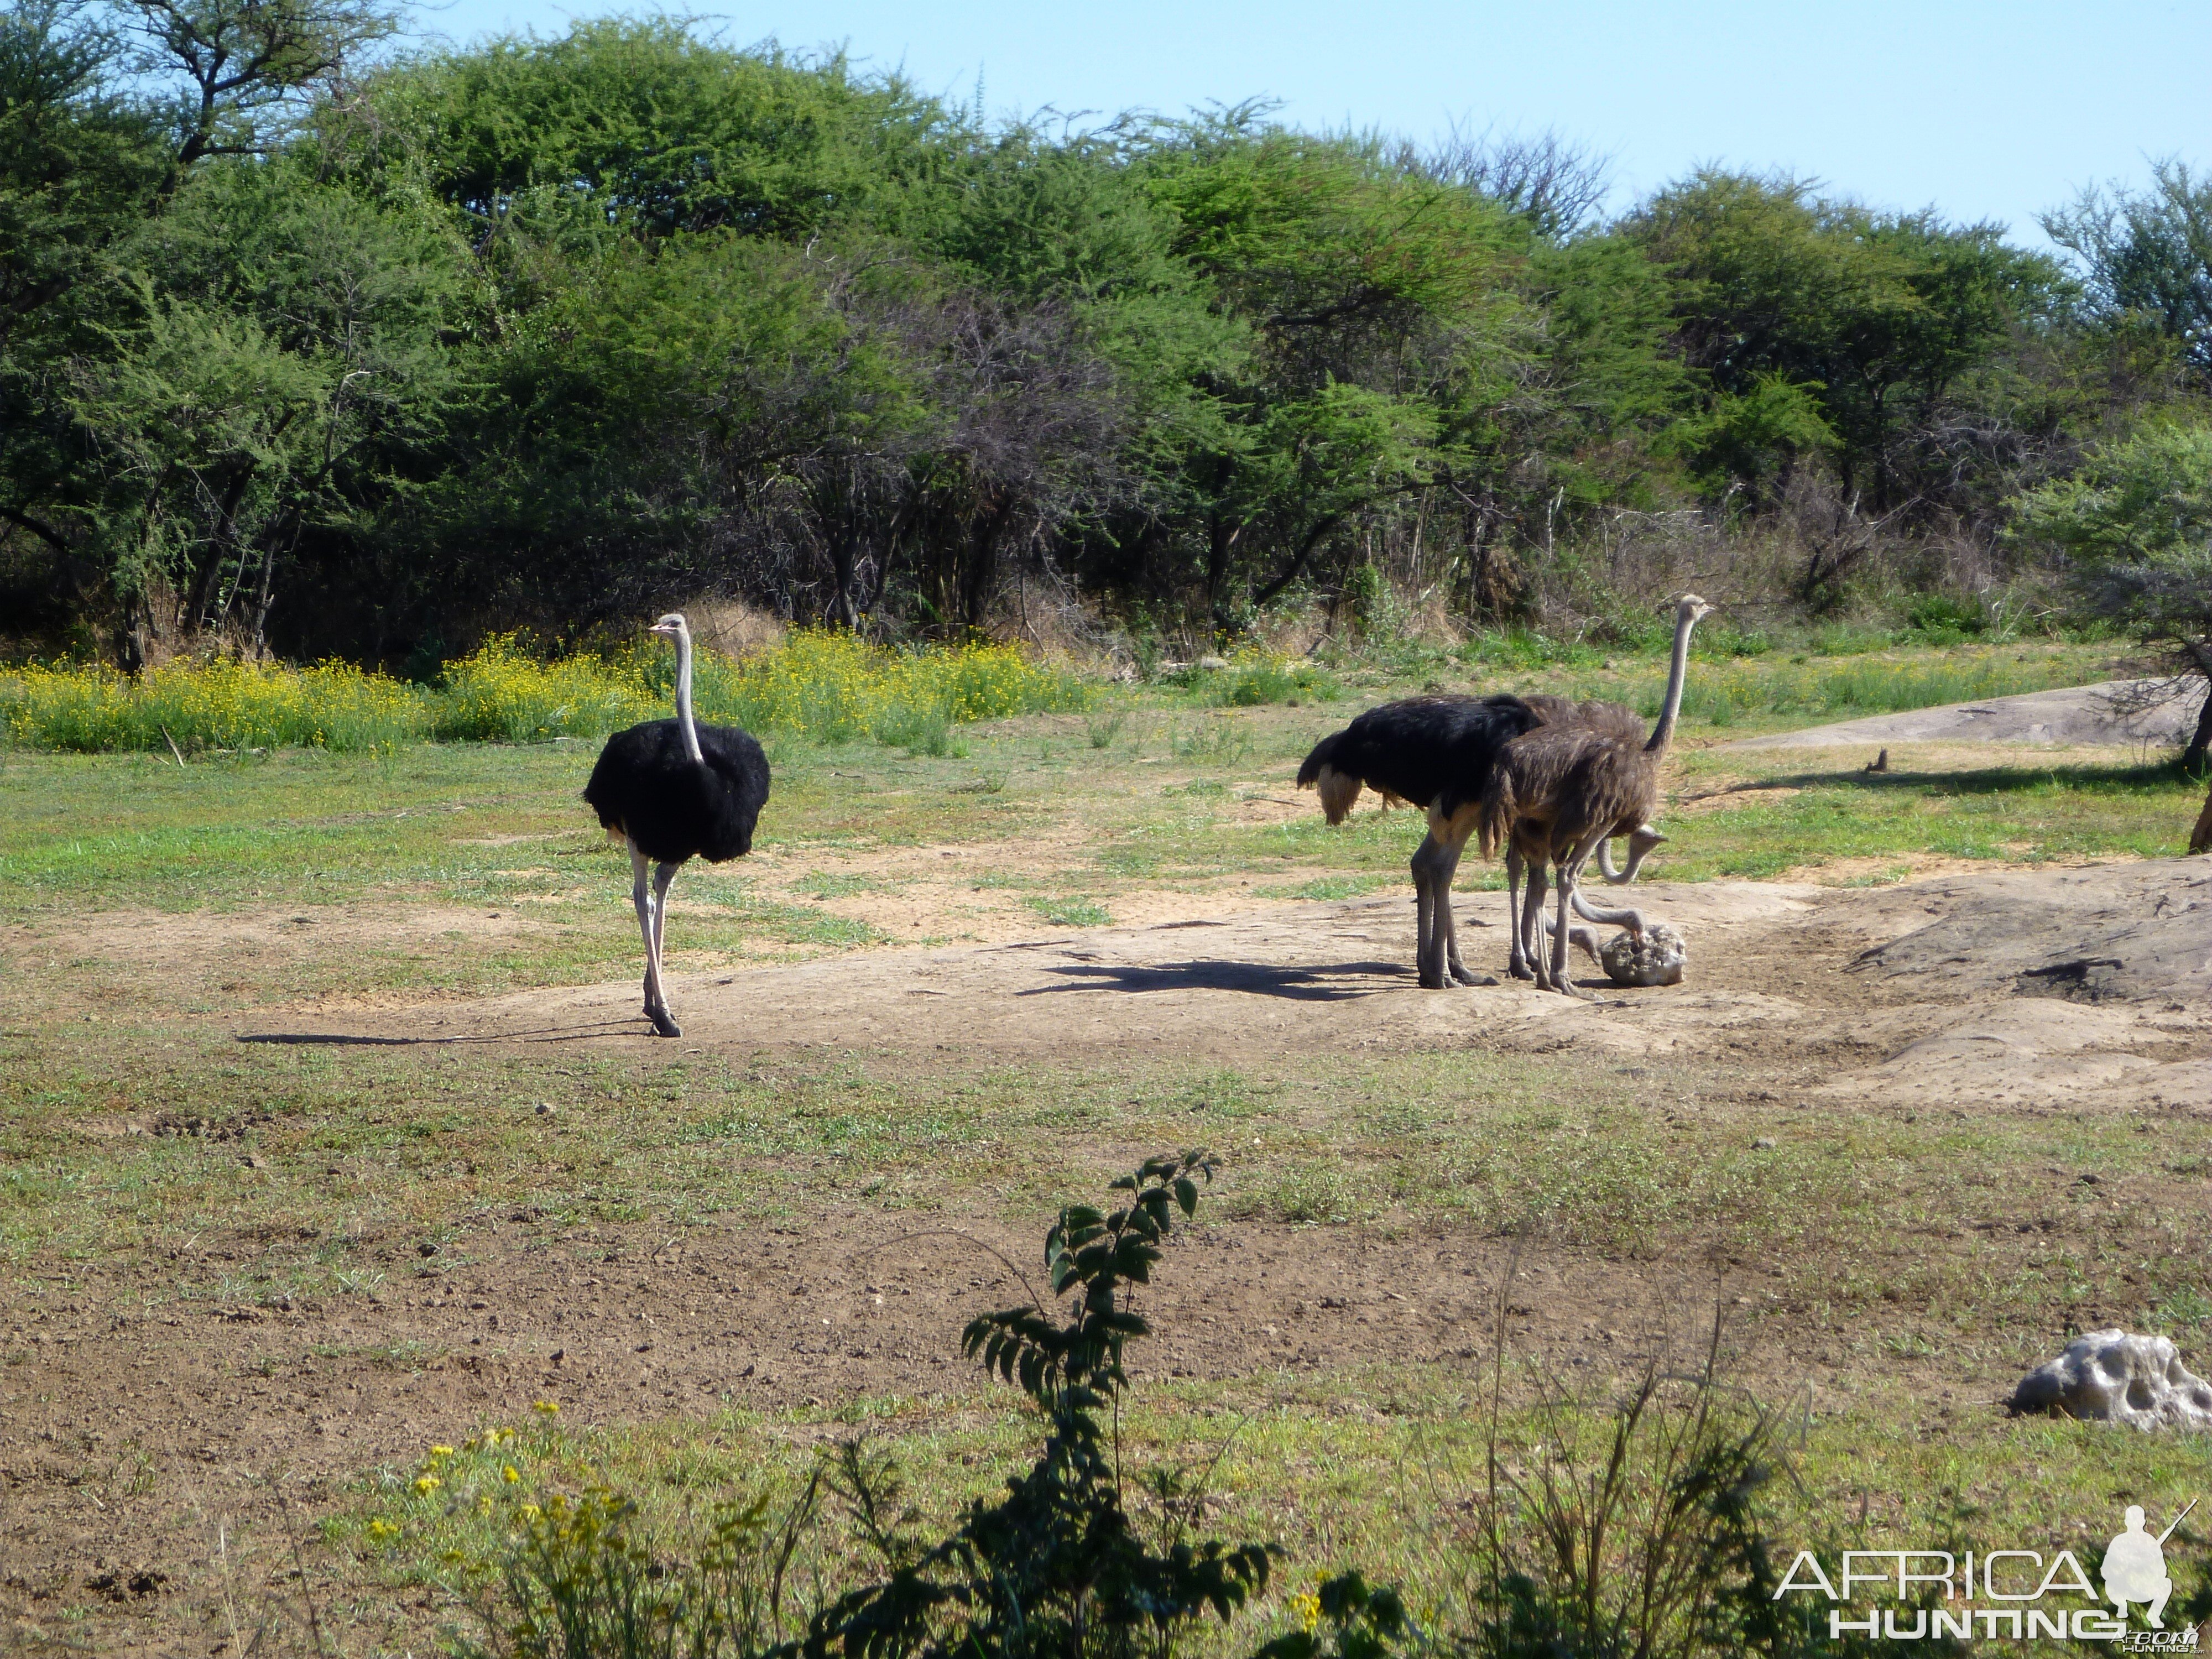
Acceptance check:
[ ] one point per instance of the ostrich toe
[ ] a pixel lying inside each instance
(664, 1022)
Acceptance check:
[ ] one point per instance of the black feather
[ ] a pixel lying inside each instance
(676, 808)
(1433, 751)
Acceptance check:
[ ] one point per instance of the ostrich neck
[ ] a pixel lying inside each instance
(1676, 671)
(683, 697)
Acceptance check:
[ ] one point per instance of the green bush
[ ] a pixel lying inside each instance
(1940, 618)
(584, 1583)
(1059, 1567)
(1261, 681)
(1620, 1528)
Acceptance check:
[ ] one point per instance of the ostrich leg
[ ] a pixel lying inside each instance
(1528, 927)
(1516, 954)
(662, 1021)
(1453, 847)
(663, 876)
(640, 893)
(1428, 950)
(1570, 869)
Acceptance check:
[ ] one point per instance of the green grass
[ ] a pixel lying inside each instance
(1850, 1213)
(1889, 1243)
(1725, 692)
(1366, 1466)
(305, 827)
(1354, 1466)
(1070, 912)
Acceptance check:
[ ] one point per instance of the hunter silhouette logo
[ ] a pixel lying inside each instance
(2135, 1567)
(1920, 1594)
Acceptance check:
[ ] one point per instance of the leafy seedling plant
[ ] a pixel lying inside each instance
(1060, 1567)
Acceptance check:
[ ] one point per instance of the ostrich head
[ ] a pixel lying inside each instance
(1689, 608)
(672, 626)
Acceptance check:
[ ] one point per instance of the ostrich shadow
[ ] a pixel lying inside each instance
(363, 1040)
(1256, 979)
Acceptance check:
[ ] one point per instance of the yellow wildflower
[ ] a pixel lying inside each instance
(510, 1474)
(426, 1483)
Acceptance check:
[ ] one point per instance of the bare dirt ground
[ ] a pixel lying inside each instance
(2019, 989)
(2056, 980)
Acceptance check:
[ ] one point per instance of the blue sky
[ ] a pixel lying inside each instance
(1983, 110)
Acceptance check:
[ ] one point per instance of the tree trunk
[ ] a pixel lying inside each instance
(1220, 539)
(844, 546)
(1297, 564)
(980, 581)
(2200, 838)
(2200, 653)
(2201, 741)
(1494, 585)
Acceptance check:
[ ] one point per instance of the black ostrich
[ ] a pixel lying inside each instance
(1437, 753)
(672, 791)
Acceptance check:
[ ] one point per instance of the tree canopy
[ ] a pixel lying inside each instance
(308, 345)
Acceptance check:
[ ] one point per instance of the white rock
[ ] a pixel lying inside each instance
(1657, 958)
(2110, 1376)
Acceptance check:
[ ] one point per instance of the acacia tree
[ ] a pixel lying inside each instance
(2148, 256)
(237, 71)
(143, 428)
(2136, 521)
(1379, 325)
(79, 159)
(1794, 305)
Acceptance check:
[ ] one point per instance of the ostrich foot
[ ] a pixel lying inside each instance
(1465, 976)
(1520, 971)
(664, 1022)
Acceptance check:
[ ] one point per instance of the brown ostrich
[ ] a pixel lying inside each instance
(1559, 791)
(1618, 720)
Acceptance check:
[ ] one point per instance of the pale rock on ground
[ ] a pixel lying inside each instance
(1657, 958)
(2119, 712)
(2111, 1377)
